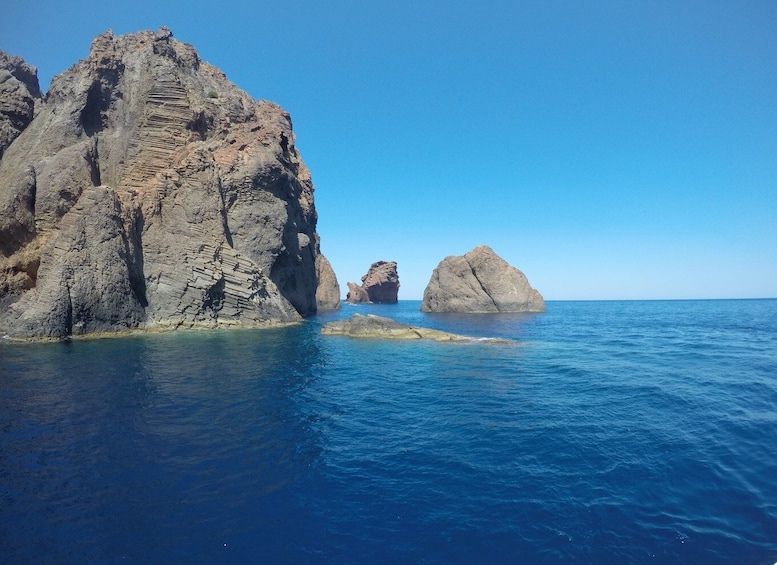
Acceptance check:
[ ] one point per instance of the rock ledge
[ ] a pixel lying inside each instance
(371, 326)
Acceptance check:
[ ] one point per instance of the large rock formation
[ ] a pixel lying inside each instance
(380, 285)
(149, 192)
(479, 281)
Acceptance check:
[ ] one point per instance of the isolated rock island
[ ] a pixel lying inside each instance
(371, 326)
(379, 286)
(146, 191)
(479, 281)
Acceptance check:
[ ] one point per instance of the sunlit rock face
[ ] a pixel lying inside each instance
(380, 285)
(479, 281)
(149, 192)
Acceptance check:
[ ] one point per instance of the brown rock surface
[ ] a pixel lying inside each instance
(381, 284)
(149, 192)
(356, 294)
(479, 281)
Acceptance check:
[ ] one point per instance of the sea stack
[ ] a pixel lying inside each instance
(327, 287)
(479, 281)
(380, 285)
(149, 192)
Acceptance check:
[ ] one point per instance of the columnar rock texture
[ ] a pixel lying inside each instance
(149, 192)
(479, 281)
(380, 284)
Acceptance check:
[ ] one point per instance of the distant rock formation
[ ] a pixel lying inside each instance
(479, 281)
(380, 284)
(149, 192)
(356, 294)
(327, 287)
(371, 326)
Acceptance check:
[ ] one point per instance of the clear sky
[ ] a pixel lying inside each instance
(608, 149)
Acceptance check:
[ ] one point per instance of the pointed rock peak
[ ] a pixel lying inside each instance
(163, 34)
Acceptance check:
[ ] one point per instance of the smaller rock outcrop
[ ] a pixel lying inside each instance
(380, 285)
(356, 294)
(19, 96)
(479, 281)
(327, 287)
(371, 326)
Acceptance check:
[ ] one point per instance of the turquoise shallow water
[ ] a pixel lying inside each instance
(609, 432)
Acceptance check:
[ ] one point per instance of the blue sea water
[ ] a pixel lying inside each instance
(609, 432)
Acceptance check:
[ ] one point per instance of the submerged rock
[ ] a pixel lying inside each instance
(149, 192)
(371, 326)
(479, 281)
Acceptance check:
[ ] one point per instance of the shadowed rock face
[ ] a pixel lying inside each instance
(479, 281)
(150, 192)
(380, 285)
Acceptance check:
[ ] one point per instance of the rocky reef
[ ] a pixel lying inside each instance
(356, 294)
(380, 285)
(479, 281)
(371, 326)
(146, 191)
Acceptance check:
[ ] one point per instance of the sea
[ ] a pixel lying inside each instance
(603, 432)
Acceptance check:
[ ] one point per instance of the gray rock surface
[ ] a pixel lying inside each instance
(20, 96)
(380, 285)
(479, 281)
(371, 326)
(327, 288)
(149, 192)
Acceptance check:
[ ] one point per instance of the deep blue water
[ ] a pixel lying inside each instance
(610, 432)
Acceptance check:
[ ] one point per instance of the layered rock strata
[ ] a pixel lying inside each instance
(479, 281)
(380, 285)
(149, 192)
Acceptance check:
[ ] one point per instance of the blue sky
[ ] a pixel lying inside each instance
(608, 149)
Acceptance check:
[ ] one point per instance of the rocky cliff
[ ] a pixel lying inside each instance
(149, 192)
(479, 281)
